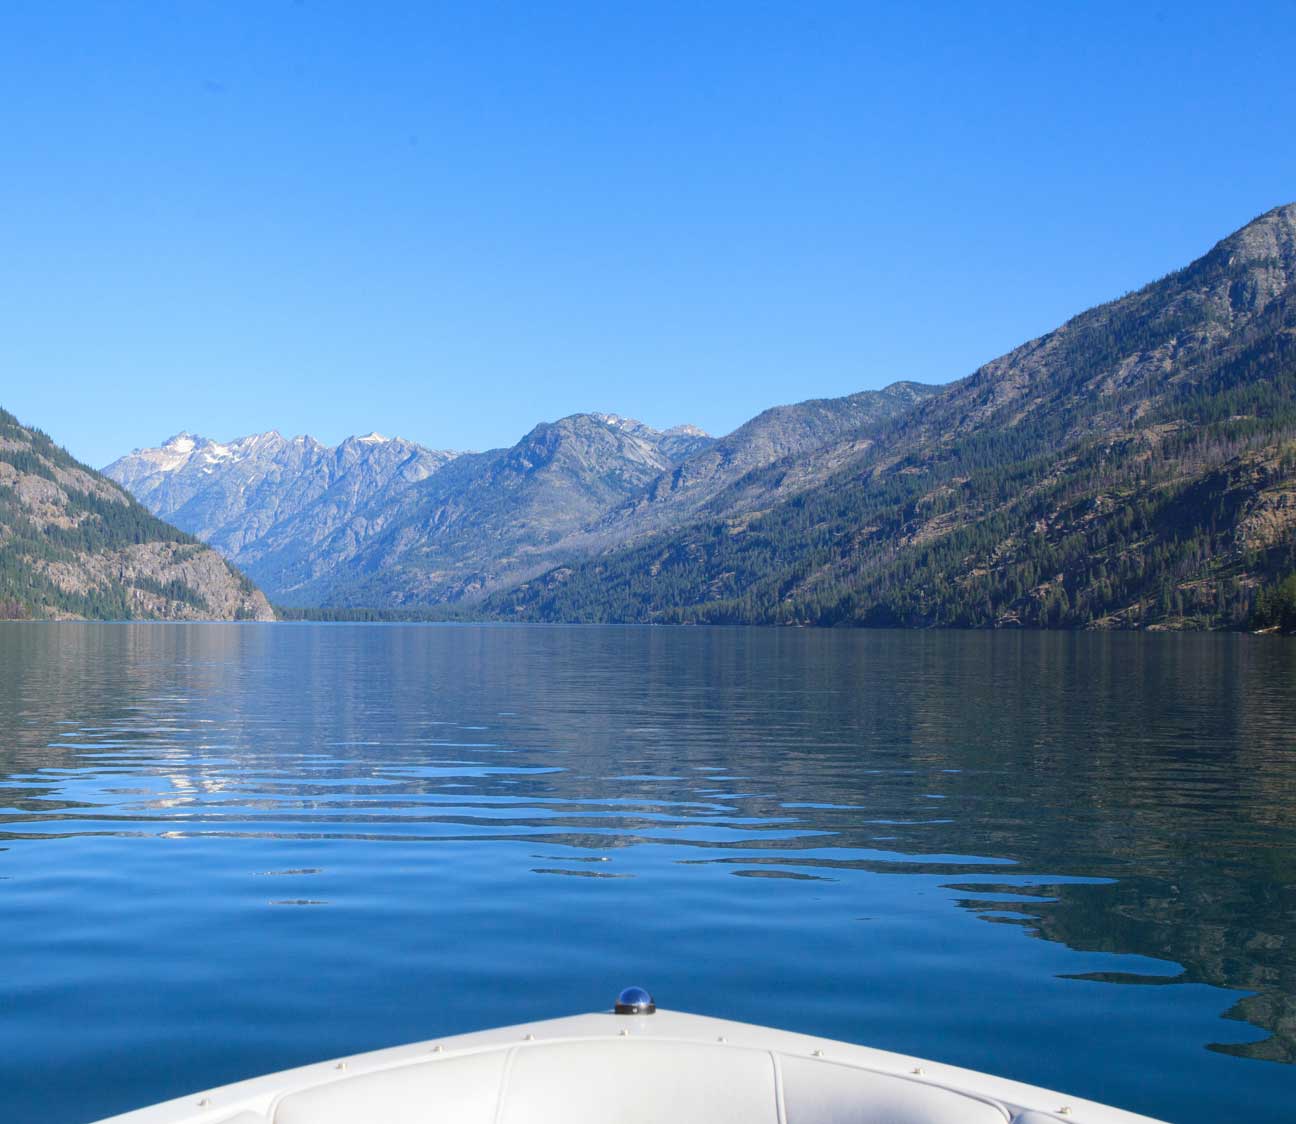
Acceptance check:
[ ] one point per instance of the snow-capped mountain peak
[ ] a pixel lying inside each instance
(182, 442)
(235, 493)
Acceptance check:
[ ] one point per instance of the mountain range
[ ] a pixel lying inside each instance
(1136, 467)
(386, 522)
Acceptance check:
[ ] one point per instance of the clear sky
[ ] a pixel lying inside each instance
(451, 221)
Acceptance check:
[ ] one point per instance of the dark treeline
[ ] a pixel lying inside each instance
(359, 616)
(1275, 606)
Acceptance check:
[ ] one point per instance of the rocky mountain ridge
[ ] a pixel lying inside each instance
(233, 494)
(808, 439)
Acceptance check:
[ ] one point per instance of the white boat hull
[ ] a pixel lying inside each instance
(663, 1068)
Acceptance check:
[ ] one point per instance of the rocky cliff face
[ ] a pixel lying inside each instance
(74, 544)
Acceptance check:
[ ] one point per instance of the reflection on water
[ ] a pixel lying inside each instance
(852, 834)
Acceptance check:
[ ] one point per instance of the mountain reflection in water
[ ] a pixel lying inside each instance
(851, 834)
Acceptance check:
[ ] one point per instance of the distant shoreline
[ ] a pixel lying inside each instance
(406, 616)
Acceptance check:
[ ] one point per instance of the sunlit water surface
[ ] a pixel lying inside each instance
(230, 849)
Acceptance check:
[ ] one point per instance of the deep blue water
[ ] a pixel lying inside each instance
(227, 849)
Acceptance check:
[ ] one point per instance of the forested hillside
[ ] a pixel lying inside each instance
(73, 544)
(1134, 468)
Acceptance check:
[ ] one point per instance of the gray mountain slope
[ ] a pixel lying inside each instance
(489, 515)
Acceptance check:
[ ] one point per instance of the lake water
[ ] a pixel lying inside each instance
(227, 849)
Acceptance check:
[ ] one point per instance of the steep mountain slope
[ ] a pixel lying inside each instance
(1135, 467)
(266, 502)
(74, 544)
(488, 514)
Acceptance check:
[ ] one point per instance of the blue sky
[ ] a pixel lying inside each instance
(452, 221)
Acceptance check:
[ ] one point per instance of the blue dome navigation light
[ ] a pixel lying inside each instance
(634, 1001)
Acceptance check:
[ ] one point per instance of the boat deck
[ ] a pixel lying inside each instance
(663, 1068)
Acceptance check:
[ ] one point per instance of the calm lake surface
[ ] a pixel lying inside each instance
(227, 849)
